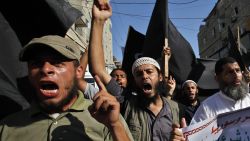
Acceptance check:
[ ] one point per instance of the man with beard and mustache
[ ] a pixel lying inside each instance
(148, 113)
(233, 94)
(190, 99)
(59, 111)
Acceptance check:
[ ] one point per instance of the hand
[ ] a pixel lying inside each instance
(101, 10)
(167, 52)
(105, 109)
(246, 75)
(176, 134)
(170, 84)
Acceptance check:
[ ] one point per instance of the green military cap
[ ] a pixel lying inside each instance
(64, 46)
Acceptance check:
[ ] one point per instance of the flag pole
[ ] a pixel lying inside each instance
(246, 70)
(238, 37)
(166, 58)
(168, 55)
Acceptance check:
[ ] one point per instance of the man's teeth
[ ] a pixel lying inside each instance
(49, 91)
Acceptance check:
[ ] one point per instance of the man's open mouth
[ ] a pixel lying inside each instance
(49, 88)
(147, 87)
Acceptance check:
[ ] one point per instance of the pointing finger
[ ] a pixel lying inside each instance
(99, 83)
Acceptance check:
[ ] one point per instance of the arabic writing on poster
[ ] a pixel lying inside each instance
(231, 126)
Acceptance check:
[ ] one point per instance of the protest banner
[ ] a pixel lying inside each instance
(231, 126)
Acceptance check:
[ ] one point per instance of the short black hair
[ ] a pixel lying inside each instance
(76, 63)
(221, 62)
(121, 69)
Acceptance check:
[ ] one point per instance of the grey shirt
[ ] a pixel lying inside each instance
(160, 125)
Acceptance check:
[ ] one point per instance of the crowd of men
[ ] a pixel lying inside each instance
(66, 107)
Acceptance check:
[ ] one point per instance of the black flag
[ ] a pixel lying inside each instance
(160, 27)
(10, 70)
(36, 18)
(183, 57)
(157, 30)
(132, 51)
(20, 21)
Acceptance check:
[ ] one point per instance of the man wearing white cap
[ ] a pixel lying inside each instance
(190, 99)
(148, 114)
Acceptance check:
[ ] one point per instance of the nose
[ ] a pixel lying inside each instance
(118, 78)
(144, 75)
(47, 69)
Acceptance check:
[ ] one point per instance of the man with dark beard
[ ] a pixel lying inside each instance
(60, 111)
(148, 114)
(233, 94)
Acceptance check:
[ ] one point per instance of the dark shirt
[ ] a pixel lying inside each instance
(116, 90)
(161, 125)
(190, 111)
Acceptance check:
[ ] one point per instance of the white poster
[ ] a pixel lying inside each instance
(232, 126)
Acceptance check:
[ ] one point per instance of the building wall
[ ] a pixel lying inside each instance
(213, 35)
(80, 31)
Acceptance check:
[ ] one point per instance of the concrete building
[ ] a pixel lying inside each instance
(213, 35)
(117, 63)
(80, 32)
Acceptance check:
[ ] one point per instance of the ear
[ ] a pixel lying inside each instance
(79, 72)
(160, 76)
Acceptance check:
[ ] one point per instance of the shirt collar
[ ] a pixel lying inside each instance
(79, 105)
(223, 95)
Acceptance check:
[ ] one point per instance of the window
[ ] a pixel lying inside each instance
(204, 41)
(213, 32)
(234, 15)
(236, 11)
(223, 25)
(78, 29)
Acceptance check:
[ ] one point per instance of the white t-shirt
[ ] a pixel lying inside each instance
(217, 104)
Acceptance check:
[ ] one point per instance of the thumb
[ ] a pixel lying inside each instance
(175, 125)
(99, 83)
(183, 123)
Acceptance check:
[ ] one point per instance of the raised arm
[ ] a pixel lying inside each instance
(170, 81)
(170, 84)
(81, 83)
(101, 11)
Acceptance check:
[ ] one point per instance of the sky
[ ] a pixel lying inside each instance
(187, 16)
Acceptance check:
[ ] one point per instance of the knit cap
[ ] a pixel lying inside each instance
(145, 60)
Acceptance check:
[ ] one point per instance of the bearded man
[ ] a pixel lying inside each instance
(233, 94)
(148, 114)
(59, 111)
